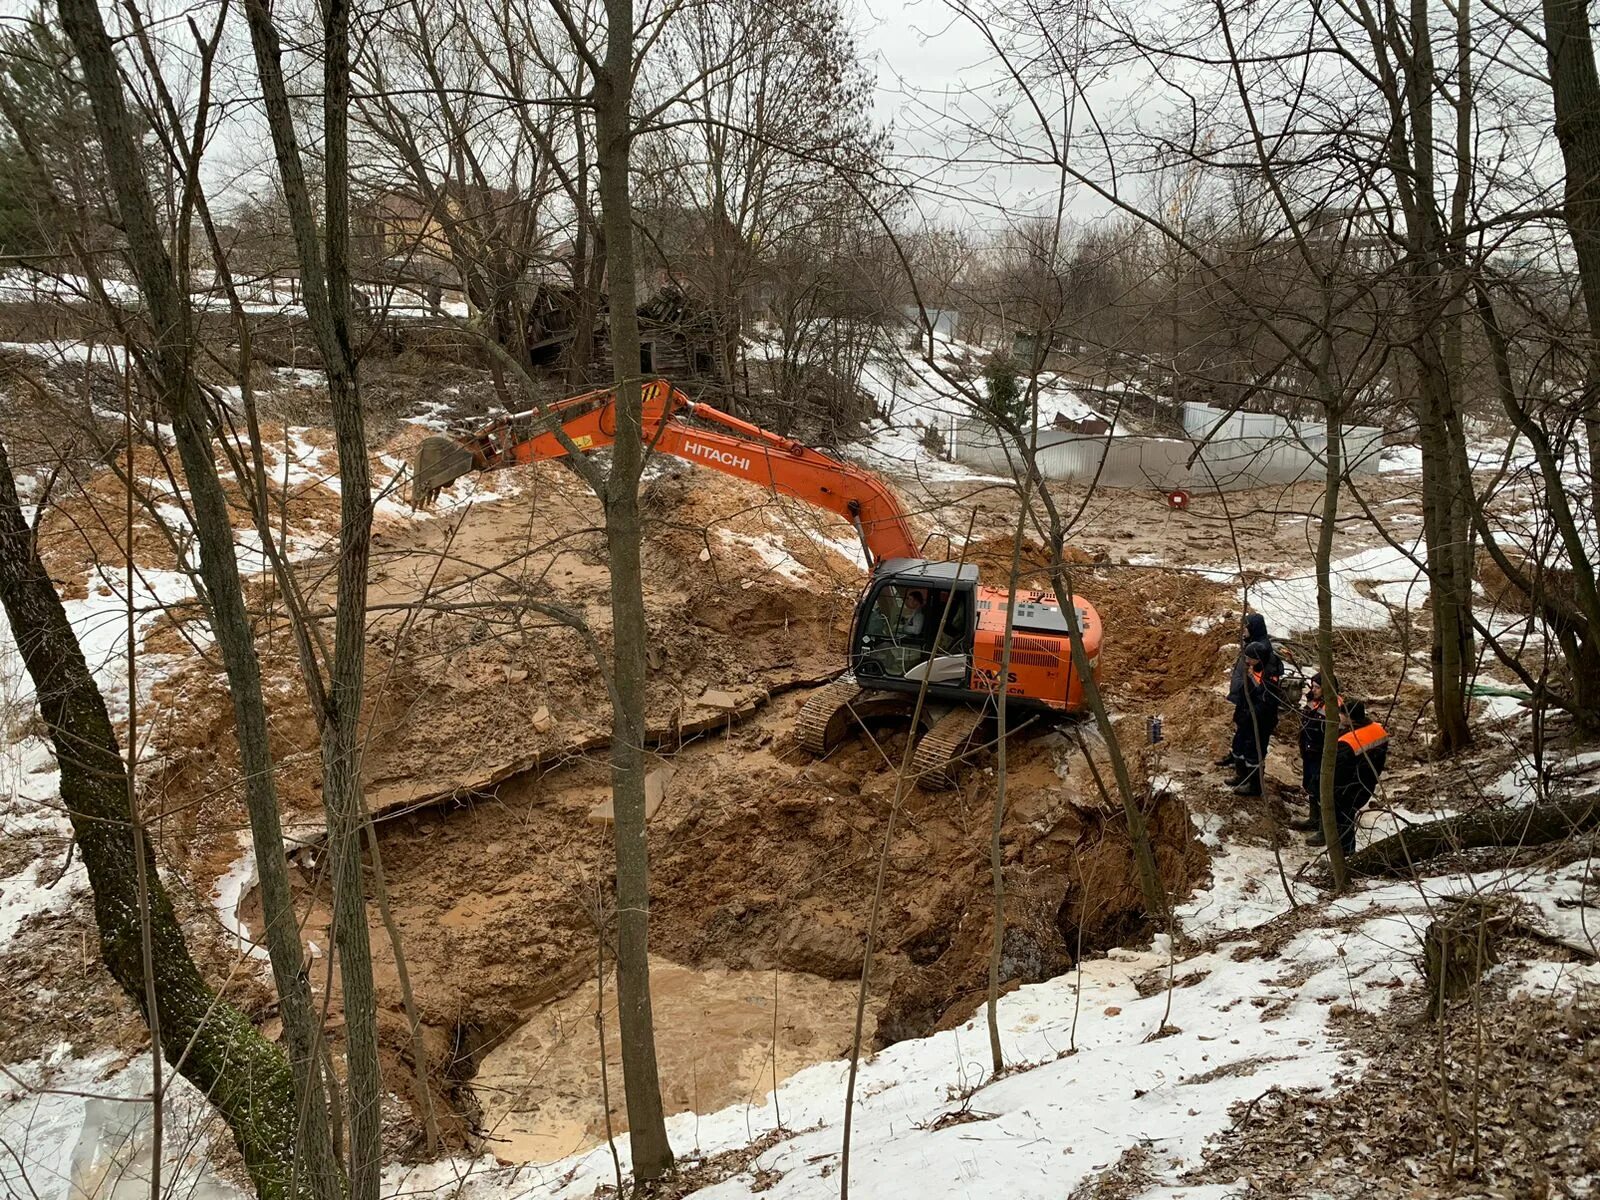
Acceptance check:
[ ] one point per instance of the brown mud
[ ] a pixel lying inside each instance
(487, 723)
(761, 860)
(484, 758)
(487, 727)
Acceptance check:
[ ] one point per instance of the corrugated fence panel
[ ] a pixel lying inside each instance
(1200, 419)
(1227, 463)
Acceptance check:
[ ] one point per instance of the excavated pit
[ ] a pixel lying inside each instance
(484, 758)
(716, 1030)
(762, 862)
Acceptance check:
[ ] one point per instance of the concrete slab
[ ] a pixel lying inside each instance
(655, 791)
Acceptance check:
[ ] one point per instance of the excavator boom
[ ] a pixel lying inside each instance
(919, 626)
(719, 440)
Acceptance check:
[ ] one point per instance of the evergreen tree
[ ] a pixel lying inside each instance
(1006, 401)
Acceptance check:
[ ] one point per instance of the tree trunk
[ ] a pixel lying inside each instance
(1325, 664)
(211, 1043)
(997, 935)
(1448, 540)
(647, 1134)
(1155, 895)
(1575, 89)
(1530, 825)
(171, 371)
(327, 288)
(1572, 611)
(1446, 529)
(342, 796)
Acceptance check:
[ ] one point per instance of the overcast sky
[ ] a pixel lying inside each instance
(936, 75)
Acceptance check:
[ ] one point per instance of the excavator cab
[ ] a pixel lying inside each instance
(915, 619)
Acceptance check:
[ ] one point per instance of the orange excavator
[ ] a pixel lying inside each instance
(917, 620)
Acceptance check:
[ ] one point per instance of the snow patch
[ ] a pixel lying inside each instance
(771, 551)
(35, 891)
(1400, 458)
(228, 894)
(1245, 891)
(1500, 708)
(1555, 981)
(71, 352)
(79, 1128)
(934, 389)
(1290, 603)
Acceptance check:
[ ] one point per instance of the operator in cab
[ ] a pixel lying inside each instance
(914, 613)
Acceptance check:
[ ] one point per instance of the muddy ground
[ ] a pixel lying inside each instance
(488, 720)
(486, 760)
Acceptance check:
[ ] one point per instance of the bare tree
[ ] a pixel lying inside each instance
(206, 1039)
(748, 174)
(1575, 91)
(327, 290)
(458, 178)
(167, 364)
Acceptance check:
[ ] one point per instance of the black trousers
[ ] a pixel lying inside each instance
(1346, 811)
(1311, 781)
(1250, 738)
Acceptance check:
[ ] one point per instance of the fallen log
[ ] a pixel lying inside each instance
(1528, 825)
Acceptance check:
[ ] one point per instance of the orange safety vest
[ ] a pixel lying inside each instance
(1369, 735)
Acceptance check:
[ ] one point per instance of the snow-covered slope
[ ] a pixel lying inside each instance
(915, 389)
(918, 390)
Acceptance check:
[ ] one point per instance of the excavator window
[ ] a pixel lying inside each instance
(903, 624)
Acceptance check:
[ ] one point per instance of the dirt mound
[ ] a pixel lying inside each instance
(86, 521)
(1161, 637)
(487, 721)
(992, 556)
(482, 645)
(1552, 582)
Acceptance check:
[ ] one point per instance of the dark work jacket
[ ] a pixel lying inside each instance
(1260, 700)
(1255, 626)
(1313, 728)
(1363, 753)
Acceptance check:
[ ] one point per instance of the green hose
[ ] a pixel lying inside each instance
(1495, 689)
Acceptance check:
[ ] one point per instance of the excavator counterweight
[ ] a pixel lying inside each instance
(918, 625)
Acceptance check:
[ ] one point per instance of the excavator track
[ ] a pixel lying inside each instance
(834, 709)
(937, 760)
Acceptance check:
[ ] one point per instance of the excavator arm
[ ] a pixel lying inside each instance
(719, 440)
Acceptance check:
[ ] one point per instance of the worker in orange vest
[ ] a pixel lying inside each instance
(1363, 752)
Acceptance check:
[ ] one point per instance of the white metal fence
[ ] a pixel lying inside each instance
(1249, 450)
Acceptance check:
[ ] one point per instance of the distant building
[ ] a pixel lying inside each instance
(943, 320)
(677, 338)
(1092, 425)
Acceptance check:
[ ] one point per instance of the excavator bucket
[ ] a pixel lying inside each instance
(440, 461)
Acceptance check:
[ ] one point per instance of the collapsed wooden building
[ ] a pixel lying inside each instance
(677, 337)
